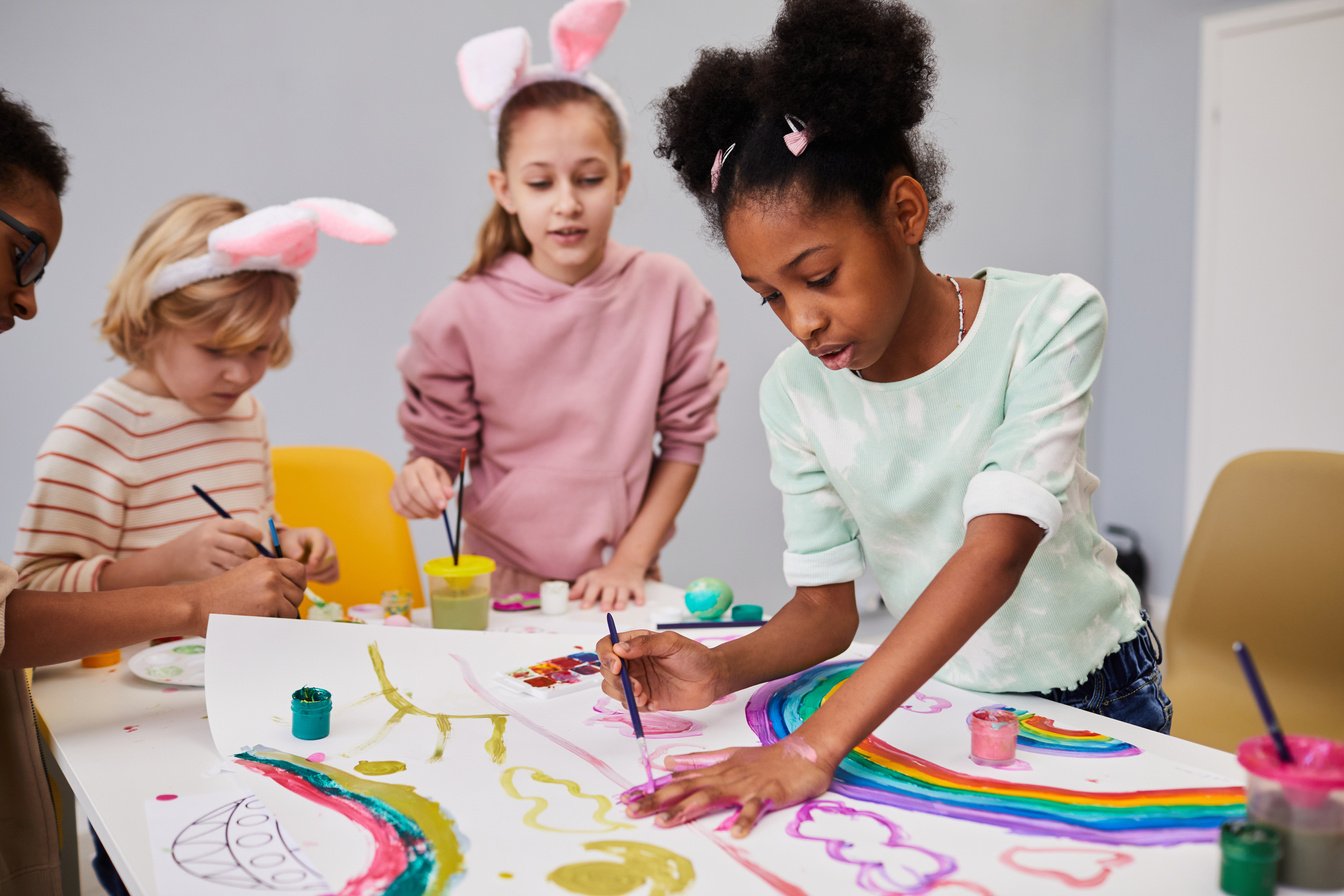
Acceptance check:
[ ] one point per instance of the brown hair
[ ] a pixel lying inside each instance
(501, 233)
(240, 308)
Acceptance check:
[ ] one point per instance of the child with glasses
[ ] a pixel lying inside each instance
(559, 356)
(40, 627)
(200, 312)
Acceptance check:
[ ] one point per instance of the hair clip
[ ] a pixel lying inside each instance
(797, 138)
(495, 66)
(717, 168)
(279, 238)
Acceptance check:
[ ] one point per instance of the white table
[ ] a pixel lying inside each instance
(120, 740)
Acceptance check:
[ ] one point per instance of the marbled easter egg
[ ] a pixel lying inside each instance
(708, 598)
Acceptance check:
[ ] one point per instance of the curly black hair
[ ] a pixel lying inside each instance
(27, 147)
(858, 73)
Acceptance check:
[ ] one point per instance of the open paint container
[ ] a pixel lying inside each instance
(459, 593)
(1302, 800)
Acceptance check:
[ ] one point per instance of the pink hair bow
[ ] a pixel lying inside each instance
(495, 66)
(276, 238)
(717, 168)
(797, 138)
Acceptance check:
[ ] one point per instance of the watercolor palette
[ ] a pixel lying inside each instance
(180, 662)
(568, 674)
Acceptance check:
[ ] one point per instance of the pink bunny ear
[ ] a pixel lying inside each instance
(277, 231)
(580, 29)
(489, 65)
(349, 221)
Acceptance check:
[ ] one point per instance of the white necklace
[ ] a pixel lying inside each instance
(961, 313)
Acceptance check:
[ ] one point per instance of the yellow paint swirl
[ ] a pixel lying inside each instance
(640, 864)
(494, 745)
(541, 804)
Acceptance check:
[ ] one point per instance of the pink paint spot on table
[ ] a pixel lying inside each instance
(130, 728)
(656, 724)
(317, 757)
(165, 797)
(1083, 866)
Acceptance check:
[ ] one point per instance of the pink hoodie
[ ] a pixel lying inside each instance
(557, 391)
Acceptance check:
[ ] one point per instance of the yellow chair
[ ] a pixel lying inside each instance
(1265, 566)
(344, 492)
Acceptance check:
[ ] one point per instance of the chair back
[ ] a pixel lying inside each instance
(1265, 566)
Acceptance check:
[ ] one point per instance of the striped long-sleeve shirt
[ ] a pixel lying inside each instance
(114, 477)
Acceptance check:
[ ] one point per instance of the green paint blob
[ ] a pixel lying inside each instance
(190, 648)
(389, 767)
(640, 864)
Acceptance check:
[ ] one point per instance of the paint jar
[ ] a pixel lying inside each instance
(1303, 801)
(459, 593)
(993, 736)
(554, 598)
(331, 611)
(1250, 859)
(748, 613)
(99, 660)
(396, 603)
(311, 709)
(371, 614)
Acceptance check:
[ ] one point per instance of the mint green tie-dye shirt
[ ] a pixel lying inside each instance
(888, 474)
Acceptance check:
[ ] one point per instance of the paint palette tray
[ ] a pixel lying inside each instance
(565, 674)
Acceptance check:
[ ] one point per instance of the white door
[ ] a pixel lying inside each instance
(1267, 365)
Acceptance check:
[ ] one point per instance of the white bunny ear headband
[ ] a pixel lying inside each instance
(279, 238)
(495, 66)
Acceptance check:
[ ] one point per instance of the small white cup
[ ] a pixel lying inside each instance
(554, 598)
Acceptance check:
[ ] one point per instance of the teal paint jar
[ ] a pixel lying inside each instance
(311, 709)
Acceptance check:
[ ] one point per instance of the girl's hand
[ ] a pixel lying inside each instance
(214, 546)
(611, 586)
(259, 587)
(756, 780)
(422, 490)
(314, 549)
(667, 671)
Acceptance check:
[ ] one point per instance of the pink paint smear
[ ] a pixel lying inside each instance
(1097, 864)
(656, 724)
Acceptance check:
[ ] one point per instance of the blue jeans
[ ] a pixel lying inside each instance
(1128, 686)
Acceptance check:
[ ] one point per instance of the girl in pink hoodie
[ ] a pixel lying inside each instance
(579, 374)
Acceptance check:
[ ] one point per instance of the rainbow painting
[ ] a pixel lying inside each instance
(1040, 735)
(877, 772)
(417, 848)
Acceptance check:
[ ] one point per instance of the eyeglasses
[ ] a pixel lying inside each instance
(31, 263)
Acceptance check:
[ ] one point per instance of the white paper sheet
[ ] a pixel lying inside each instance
(545, 806)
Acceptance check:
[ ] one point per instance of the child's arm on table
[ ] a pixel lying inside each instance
(622, 579)
(52, 627)
(974, 583)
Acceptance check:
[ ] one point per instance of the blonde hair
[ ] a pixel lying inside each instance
(242, 309)
(501, 233)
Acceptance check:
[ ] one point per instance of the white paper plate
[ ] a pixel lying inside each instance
(175, 662)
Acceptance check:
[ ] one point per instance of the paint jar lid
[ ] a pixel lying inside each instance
(748, 613)
(1318, 763)
(1250, 859)
(468, 566)
(98, 660)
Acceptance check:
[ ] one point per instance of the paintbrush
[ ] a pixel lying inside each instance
(274, 542)
(461, 481)
(630, 703)
(1262, 700)
(214, 505)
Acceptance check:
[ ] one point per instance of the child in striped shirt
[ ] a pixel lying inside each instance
(200, 312)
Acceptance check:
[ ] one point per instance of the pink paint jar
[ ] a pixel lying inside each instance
(1302, 800)
(993, 736)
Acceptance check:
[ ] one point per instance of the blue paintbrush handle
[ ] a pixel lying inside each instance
(214, 505)
(625, 682)
(1262, 700)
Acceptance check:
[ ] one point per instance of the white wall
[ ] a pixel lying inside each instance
(269, 101)
(1142, 400)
